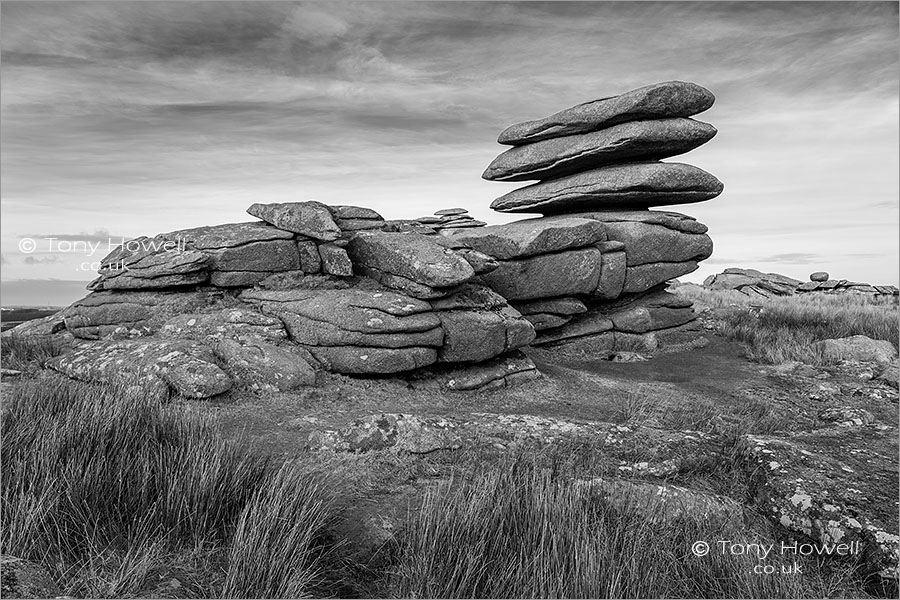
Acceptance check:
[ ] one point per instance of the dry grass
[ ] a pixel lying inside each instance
(525, 530)
(108, 487)
(782, 329)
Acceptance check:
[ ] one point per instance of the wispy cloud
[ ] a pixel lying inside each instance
(141, 117)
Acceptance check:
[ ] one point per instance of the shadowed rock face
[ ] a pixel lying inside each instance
(661, 100)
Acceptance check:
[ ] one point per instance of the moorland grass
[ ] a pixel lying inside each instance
(106, 487)
(783, 329)
(522, 529)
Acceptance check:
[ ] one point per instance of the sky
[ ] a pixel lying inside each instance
(122, 119)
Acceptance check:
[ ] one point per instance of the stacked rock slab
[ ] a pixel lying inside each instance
(594, 268)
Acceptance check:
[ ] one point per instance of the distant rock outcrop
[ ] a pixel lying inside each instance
(756, 284)
(312, 287)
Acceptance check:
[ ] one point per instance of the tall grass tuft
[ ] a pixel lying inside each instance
(105, 486)
(279, 543)
(525, 531)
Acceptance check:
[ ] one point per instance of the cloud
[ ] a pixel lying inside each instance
(40, 260)
(142, 117)
(99, 235)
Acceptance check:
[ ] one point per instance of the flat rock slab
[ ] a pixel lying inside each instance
(364, 311)
(648, 243)
(835, 485)
(627, 185)
(241, 324)
(530, 237)
(131, 313)
(262, 366)
(546, 275)
(672, 220)
(312, 219)
(634, 140)
(660, 100)
(411, 256)
(188, 368)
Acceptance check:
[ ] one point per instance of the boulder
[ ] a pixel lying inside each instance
(627, 185)
(263, 366)
(591, 323)
(660, 100)
(339, 211)
(643, 277)
(541, 321)
(470, 295)
(310, 261)
(20, 578)
(530, 237)
(188, 368)
(353, 310)
(558, 306)
(671, 220)
(474, 335)
(634, 140)
(613, 270)
(479, 261)
(131, 313)
(335, 260)
(312, 219)
(156, 263)
(368, 360)
(242, 324)
(819, 276)
(857, 347)
(546, 275)
(410, 256)
(502, 371)
(647, 243)
(450, 212)
(755, 283)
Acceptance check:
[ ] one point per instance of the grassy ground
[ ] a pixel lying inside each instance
(786, 328)
(116, 493)
(119, 495)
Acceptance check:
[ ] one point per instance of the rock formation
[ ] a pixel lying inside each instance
(756, 284)
(594, 269)
(311, 287)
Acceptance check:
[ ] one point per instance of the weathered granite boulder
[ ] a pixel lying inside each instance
(409, 262)
(264, 366)
(634, 140)
(472, 335)
(132, 313)
(151, 263)
(857, 347)
(648, 243)
(751, 281)
(626, 185)
(819, 276)
(833, 487)
(231, 255)
(20, 578)
(530, 237)
(311, 218)
(546, 275)
(242, 324)
(188, 368)
(356, 330)
(667, 99)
